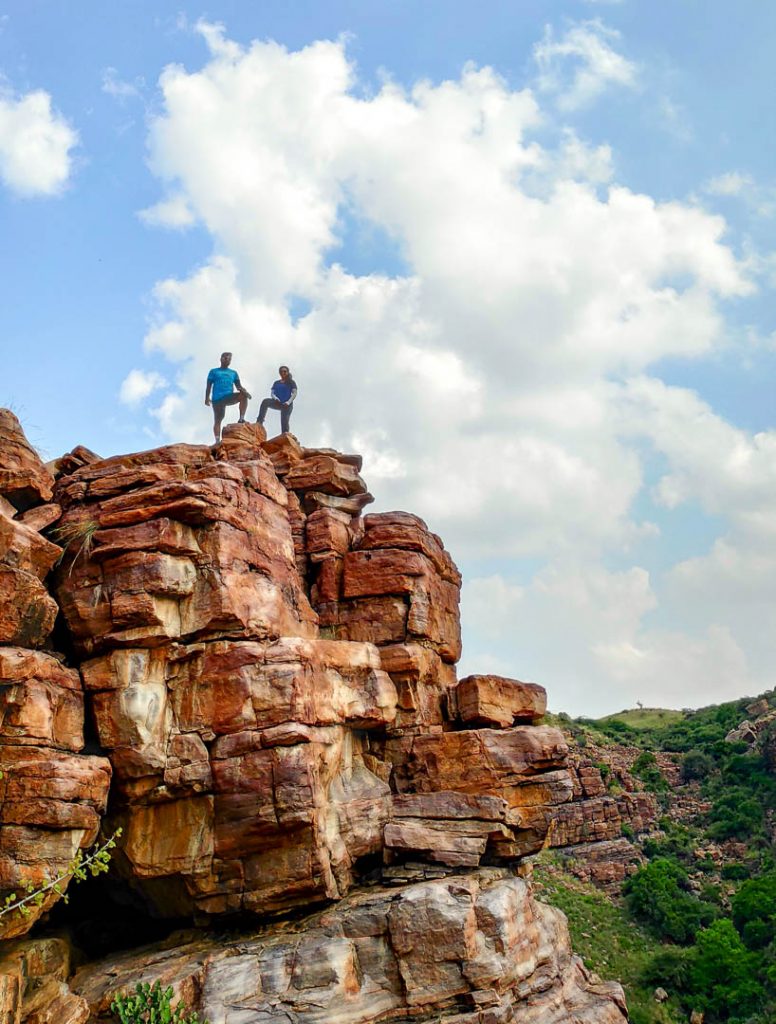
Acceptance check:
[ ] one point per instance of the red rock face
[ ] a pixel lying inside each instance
(51, 796)
(272, 677)
(24, 480)
(180, 546)
(495, 701)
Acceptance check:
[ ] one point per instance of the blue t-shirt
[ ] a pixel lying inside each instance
(283, 389)
(223, 381)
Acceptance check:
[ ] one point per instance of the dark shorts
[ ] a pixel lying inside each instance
(221, 403)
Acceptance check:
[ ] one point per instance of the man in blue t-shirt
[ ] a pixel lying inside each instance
(223, 382)
(283, 395)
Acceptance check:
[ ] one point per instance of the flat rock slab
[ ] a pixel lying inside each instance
(498, 701)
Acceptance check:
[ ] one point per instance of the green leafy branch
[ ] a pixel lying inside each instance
(94, 862)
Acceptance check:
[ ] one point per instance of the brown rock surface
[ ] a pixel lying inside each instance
(182, 546)
(273, 679)
(51, 802)
(51, 798)
(494, 700)
(472, 950)
(33, 984)
(24, 480)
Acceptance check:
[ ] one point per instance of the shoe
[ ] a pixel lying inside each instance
(241, 421)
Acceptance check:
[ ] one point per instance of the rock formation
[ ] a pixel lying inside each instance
(51, 794)
(271, 677)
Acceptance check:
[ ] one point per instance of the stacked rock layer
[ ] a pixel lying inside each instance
(51, 794)
(271, 674)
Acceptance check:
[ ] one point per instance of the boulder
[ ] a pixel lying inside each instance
(496, 701)
(24, 480)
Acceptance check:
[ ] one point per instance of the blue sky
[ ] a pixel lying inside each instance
(520, 254)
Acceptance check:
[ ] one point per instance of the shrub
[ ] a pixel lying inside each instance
(754, 911)
(735, 815)
(677, 842)
(645, 768)
(696, 765)
(151, 1005)
(734, 872)
(670, 969)
(658, 895)
(724, 973)
(711, 894)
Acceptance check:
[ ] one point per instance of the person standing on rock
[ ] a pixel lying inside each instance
(223, 383)
(282, 397)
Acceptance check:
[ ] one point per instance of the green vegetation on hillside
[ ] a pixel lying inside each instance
(645, 718)
(608, 940)
(707, 930)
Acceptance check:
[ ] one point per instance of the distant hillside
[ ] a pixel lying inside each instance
(645, 718)
(706, 891)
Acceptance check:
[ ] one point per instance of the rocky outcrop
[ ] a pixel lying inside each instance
(608, 807)
(758, 730)
(51, 794)
(272, 677)
(470, 950)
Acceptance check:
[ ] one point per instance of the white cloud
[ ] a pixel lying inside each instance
(759, 199)
(580, 631)
(582, 64)
(731, 184)
(173, 212)
(35, 144)
(119, 88)
(499, 385)
(138, 385)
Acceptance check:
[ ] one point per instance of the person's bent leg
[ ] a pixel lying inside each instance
(267, 402)
(243, 406)
(285, 418)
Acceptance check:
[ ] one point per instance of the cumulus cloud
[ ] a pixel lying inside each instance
(581, 65)
(499, 382)
(35, 144)
(584, 632)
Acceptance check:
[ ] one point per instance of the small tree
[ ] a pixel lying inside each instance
(724, 975)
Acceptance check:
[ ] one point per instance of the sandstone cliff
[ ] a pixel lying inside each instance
(279, 730)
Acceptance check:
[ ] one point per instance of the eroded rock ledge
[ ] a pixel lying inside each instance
(271, 676)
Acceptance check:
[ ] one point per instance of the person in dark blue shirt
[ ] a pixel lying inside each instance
(222, 382)
(283, 394)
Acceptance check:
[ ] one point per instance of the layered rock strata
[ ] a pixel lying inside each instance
(52, 796)
(272, 676)
(589, 832)
(471, 950)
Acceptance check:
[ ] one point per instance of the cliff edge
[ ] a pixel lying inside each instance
(273, 717)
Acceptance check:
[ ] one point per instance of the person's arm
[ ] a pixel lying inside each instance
(292, 396)
(208, 386)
